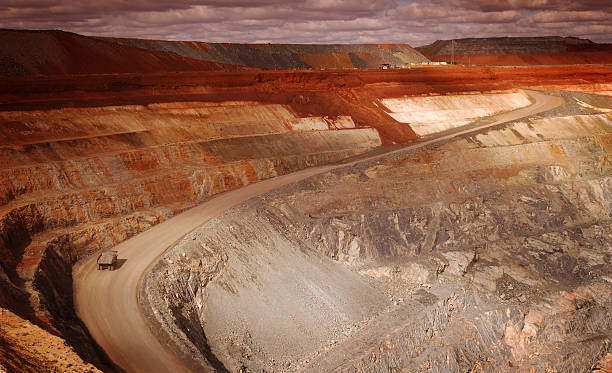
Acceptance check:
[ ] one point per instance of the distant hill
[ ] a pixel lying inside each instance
(54, 52)
(547, 50)
(26, 52)
(287, 56)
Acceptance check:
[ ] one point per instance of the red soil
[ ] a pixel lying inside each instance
(530, 59)
(317, 93)
(273, 86)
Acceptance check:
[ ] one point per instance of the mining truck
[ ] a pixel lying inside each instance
(107, 259)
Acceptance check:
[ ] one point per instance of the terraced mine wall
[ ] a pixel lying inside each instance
(519, 51)
(76, 181)
(490, 252)
(88, 161)
(428, 115)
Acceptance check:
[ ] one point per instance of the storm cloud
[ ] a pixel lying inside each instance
(314, 21)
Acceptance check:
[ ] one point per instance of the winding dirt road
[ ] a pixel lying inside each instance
(106, 301)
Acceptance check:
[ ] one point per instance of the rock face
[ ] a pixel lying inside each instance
(490, 252)
(553, 50)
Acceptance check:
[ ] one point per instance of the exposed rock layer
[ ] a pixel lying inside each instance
(428, 115)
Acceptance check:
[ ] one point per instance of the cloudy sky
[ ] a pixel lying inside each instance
(415, 22)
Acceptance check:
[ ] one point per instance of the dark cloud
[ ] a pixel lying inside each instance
(415, 22)
(534, 5)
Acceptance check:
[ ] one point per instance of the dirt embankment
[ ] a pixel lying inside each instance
(601, 55)
(287, 56)
(46, 52)
(505, 45)
(490, 252)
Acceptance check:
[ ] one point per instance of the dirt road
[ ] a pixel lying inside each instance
(106, 301)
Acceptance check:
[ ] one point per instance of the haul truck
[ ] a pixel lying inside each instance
(107, 259)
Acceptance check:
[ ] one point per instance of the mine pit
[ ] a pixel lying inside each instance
(443, 263)
(326, 217)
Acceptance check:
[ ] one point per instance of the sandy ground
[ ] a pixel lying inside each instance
(107, 302)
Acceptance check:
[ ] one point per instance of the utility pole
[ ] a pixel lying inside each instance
(453, 52)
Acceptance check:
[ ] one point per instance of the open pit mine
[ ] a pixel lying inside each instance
(287, 208)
